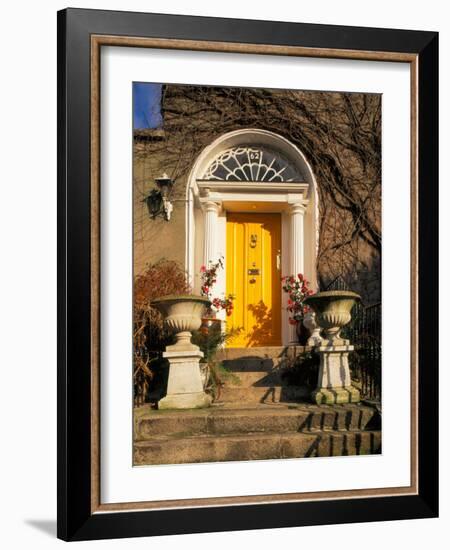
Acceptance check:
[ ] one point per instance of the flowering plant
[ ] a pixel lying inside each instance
(224, 303)
(297, 288)
(209, 279)
(209, 276)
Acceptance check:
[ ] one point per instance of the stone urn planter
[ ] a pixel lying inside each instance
(333, 312)
(182, 315)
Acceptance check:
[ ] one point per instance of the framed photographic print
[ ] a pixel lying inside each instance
(247, 274)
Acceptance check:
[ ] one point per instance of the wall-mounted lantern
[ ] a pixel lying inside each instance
(157, 200)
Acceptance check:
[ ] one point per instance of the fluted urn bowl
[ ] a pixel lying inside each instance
(333, 311)
(182, 315)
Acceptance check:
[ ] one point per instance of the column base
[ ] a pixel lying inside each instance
(197, 400)
(335, 396)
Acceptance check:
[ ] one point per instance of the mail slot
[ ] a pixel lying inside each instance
(253, 271)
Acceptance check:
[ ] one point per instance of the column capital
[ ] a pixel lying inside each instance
(211, 206)
(297, 208)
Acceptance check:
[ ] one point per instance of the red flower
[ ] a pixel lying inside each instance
(203, 269)
(296, 287)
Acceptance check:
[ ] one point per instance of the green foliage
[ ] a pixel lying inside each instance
(302, 370)
(210, 340)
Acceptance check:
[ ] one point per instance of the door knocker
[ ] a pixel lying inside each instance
(253, 240)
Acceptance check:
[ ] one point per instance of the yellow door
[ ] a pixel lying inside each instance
(254, 277)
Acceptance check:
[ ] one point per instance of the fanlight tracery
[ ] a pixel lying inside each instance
(251, 164)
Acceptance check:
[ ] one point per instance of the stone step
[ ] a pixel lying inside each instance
(259, 379)
(268, 352)
(253, 364)
(263, 394)
(260, 446)
(251, 371)
(261, 418)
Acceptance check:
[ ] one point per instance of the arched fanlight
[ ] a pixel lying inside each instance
(252, 163)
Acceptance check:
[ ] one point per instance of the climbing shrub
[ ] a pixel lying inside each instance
(150, 337)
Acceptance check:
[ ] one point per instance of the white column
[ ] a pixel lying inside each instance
(296, 246)
(211, 212)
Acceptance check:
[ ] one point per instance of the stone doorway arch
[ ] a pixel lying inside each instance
(252, 170)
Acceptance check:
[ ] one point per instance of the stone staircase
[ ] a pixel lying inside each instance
(258, 375)
(258, 417)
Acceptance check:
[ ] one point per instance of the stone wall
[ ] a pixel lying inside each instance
(155, 239)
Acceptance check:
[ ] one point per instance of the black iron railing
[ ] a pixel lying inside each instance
(364, 332)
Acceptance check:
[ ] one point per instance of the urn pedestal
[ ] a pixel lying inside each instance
(184, 387)
(182, 315)
(333, 311)
(334, 384)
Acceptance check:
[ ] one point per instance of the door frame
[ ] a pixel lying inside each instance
(208, 201)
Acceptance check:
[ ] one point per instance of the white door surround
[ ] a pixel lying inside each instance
(223, 179)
